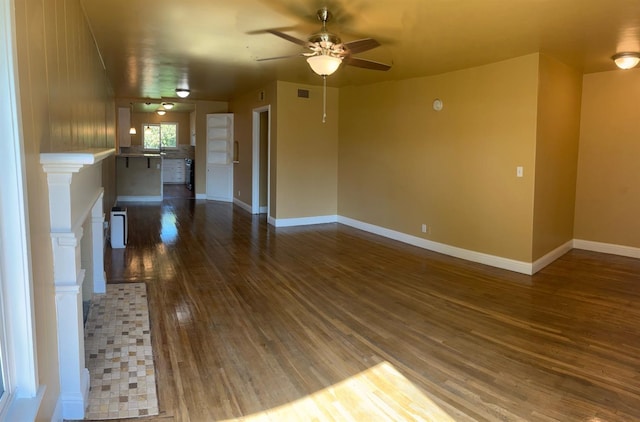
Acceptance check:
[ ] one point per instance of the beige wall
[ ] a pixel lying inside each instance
(558, 132)
(242, 108)
(403, 164)
(304, 151)
(307, 152)
(608, 192)
(66, 104)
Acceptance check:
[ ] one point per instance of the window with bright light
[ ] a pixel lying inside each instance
(160, 135)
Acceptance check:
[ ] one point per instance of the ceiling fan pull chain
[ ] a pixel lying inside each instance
(324, 98)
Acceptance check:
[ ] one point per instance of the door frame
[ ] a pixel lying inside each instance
(255, 169)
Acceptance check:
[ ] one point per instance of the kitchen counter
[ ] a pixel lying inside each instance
(139, 177)
(129, 155)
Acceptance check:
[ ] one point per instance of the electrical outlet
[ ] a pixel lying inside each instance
(238, 193)
(425, 229)
(519, 171)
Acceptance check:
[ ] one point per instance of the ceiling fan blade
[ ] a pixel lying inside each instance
(287, 37)
(359, 46)
(280, 57)
(366, 64)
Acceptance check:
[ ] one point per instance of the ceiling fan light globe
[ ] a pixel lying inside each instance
(324, 65)
(626, 60)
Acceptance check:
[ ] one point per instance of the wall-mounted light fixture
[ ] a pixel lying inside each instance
(626, 60)
(182, 92)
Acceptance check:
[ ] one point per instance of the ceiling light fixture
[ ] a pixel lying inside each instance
(324, 65)
(626, 60)
(161, 112)
(167, 106)
(132, 129)
(182, 92)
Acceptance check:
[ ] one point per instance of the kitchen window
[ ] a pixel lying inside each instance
(160, 136)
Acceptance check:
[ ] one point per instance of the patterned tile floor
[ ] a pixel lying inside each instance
(118, 354)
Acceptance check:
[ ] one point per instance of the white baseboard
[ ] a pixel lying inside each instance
(271, 221)
(201, 196)
(140, 198)
(552, 256)
(219, 198)
(243, 205)
(303, 221)
(263, 210)
(482, 258)
(75, 403)
(609, 248)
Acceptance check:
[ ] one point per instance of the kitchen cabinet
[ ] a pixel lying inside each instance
(173, 170)
(123, 126)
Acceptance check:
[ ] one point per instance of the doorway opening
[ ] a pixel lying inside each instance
(261, 171)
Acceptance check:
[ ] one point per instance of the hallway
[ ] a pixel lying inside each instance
(248, 319)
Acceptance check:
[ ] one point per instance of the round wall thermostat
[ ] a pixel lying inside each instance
(437, 104)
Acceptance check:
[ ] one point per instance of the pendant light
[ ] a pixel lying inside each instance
(182, 92)
(132, 129)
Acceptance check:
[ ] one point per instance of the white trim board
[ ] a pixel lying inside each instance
(547, 259)
(609, 248)
(479, 257)
(528, 268)
(303, 221)
(243, 205)
(139, 198)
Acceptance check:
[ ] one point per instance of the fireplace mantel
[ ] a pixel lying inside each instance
(76, 190)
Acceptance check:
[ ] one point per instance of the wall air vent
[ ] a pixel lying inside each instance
(303, 93)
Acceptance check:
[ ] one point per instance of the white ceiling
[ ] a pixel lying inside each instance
(150, 47)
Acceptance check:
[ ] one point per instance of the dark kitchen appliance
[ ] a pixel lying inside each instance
(190, 173)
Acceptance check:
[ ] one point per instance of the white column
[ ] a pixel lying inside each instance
(68, 279)
(97, 231)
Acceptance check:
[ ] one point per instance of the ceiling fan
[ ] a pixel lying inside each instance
(327, 51)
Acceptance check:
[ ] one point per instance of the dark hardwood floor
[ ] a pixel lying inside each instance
(248, 319)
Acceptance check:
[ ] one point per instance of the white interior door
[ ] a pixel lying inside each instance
(219, 157)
